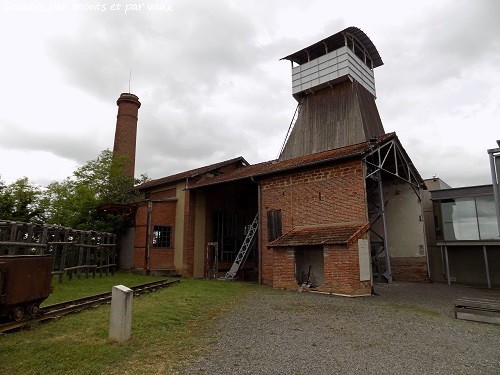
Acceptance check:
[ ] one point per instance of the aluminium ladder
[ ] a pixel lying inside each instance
(242, 255)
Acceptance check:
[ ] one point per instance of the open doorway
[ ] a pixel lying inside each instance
(309, 262)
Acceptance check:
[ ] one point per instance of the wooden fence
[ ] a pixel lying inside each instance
(74, 252)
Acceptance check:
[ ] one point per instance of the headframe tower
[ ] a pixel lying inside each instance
(334, 84)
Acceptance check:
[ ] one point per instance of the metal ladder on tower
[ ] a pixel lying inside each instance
(242, 255)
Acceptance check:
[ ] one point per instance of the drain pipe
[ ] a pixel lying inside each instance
(148, 237)
(259, 230)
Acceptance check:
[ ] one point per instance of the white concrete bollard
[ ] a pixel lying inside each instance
(120, 322)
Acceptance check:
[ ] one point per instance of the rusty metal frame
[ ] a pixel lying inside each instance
(378, 162)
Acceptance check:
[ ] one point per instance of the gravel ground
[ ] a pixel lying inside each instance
(408, 328)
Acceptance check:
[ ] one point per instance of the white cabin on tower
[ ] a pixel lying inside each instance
(348, 54)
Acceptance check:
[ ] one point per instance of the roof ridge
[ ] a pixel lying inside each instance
(189, 173)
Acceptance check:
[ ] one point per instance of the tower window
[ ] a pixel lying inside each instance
(358, 49)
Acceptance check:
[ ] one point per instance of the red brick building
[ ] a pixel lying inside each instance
(340, 206)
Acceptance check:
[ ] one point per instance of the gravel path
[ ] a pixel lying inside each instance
(408, 328)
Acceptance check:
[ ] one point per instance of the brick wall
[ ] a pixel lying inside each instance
(342, 271)
(163, 213)
(412, 269)
(317, 196)
(163, 194)
(284, 269)
(189, 230)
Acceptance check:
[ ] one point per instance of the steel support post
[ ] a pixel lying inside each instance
(488, 279)
(494, 163)
(388, 272)
(447, 264)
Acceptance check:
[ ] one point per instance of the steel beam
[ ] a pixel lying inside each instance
(384, 224)
(447, 264)
(495, 177)
(488, 279)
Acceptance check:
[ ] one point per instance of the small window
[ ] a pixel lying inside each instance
(162, 236)
(274, 224)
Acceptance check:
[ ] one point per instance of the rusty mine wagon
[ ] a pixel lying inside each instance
(24, 284)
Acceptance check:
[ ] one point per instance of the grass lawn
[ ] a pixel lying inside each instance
(168, 327)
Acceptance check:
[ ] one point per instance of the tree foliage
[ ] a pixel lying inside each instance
(19, 201)
(76, 201)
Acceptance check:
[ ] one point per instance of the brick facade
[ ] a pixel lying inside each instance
(189, 229)
(412, 269)
(318, 196)
(284, 269)
(162, 214)
(342, 271)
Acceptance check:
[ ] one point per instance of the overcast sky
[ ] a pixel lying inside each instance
(212, 86)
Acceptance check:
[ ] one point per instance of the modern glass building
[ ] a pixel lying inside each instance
(467, 234)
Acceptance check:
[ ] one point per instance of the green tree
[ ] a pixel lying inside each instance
(76, 201)
(19, 201)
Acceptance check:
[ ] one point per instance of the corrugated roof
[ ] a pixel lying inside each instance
(276, 166)
(334, 42)
(191, 173)
(340, 234)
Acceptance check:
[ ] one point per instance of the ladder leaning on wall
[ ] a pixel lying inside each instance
(242, 255)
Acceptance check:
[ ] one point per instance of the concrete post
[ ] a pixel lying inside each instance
(120, 322)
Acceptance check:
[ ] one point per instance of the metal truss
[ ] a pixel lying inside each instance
(387, 158)
(390, 158)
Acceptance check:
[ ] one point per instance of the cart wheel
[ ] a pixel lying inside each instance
(32, 310)
(17, 313)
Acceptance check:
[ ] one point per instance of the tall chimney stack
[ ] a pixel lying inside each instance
(126, 129)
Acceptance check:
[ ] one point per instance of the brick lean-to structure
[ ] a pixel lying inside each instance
(324, 214)
(126, 129)
(338, 209)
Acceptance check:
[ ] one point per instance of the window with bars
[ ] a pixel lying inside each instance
(162, 236)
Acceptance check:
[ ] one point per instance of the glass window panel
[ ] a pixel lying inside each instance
(465, 219)
(487, 217)
(447, 215)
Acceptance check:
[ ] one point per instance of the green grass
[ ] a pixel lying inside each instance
(169, 326)
(83, 287)
(413, 309)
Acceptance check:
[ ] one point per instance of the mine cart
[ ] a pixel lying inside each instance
(24, 284)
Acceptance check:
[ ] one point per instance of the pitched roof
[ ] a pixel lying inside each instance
(276, 166)
(191, 173)
(339, 234)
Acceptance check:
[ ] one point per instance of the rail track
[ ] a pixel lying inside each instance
(64, 308)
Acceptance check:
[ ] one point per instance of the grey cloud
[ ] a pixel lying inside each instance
(185, 60)
(190, 46)
(79, 149)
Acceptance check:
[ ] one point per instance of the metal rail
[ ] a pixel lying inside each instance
(64, 308)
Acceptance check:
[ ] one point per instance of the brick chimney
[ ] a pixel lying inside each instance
(126, 129)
